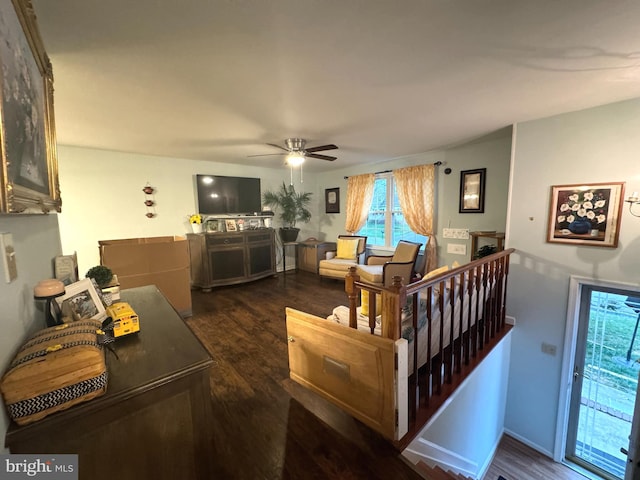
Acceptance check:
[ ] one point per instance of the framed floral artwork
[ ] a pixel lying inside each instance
(29, 171)
(586, 214)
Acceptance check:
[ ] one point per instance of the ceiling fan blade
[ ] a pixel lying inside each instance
(267, 154)
(278, 146)
(321, 148)
(321, 157)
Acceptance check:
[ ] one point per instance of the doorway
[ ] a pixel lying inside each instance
(604, 379)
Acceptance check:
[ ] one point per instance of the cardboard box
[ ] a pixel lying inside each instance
(174, 284)
(160, 261)
(134, 256)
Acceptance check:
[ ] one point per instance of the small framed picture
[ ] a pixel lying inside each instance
(66, 268)
(211, 226)
(332, 200)
(231, 225)
(585, 214)
(80, 301)
(472, 190)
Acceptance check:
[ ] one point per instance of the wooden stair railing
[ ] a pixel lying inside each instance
(479, 288)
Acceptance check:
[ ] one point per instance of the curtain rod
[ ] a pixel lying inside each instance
(387, 171)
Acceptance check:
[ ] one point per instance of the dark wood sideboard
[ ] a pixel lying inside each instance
(155, 419)
(232, 257)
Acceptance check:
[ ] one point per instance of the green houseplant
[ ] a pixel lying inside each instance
(292, 207)
(101, 274)
(485, 251)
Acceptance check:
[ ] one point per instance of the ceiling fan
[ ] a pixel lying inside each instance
(296, 152)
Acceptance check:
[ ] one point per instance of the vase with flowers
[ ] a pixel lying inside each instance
(583, 212)
(196, 223)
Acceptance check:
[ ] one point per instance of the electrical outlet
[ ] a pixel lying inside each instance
(459, 233)
(8, 257)
(457, 248)
(548, 349)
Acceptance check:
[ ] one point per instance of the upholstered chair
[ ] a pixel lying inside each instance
(350, 251)
(380, 269)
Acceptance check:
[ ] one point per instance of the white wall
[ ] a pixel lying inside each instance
(103, 199)
(491, 152)
(36, 240)
(465, 432)
(595, 145)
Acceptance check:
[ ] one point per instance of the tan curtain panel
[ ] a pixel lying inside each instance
(415, 187)
(359, 196)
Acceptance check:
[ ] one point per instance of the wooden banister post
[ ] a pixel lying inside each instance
(393, 298)
(352, 294)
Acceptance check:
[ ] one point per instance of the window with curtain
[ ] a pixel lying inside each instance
(385, 225)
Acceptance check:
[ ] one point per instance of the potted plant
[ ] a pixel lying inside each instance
(196, 222)
(292, 207)
(101, 274)
(485, 251)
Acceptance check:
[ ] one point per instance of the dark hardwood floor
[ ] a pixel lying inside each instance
(263, 426)
(267, 426)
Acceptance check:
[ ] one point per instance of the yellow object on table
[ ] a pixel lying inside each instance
(125, 320)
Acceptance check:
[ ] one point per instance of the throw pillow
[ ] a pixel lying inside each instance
(347, 248)
(437, 271)
(364, 303)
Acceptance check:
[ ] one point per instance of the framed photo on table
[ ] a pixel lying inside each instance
(29, 173)
(231, 225)
(472, 184)
(585, 214)
(332, 200)
(80, 301)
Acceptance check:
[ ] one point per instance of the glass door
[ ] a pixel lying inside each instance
(606, 370)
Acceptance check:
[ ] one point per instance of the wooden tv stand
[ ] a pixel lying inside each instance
(228, 258)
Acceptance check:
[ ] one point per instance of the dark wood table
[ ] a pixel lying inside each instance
(155, 419)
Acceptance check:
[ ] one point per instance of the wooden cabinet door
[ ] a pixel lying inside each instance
(227, 264)
(261, 253)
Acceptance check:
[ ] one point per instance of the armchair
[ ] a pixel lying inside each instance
(380, 269)
(350, 252)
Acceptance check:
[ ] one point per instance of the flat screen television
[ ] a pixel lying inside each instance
(228, 195)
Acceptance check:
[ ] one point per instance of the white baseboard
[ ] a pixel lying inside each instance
(529, 443)
(432, 454)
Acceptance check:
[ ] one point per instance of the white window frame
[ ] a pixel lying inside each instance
(388, 214)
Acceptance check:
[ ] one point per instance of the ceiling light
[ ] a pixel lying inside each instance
(295, 159)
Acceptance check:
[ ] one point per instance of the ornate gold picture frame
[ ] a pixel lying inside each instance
(585, 214)
(29, 174)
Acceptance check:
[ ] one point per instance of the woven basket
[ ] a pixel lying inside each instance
(56, 368)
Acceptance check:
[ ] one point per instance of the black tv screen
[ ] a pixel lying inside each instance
(229, 195)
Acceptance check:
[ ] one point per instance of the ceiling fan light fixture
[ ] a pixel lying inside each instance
(295, 159)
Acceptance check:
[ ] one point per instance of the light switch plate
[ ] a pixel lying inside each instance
(8, 257)
(459, 233)
(457, 248)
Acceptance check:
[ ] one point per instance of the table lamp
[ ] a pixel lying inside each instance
(48, 290)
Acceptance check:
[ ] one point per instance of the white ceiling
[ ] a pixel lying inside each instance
(218, 79)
